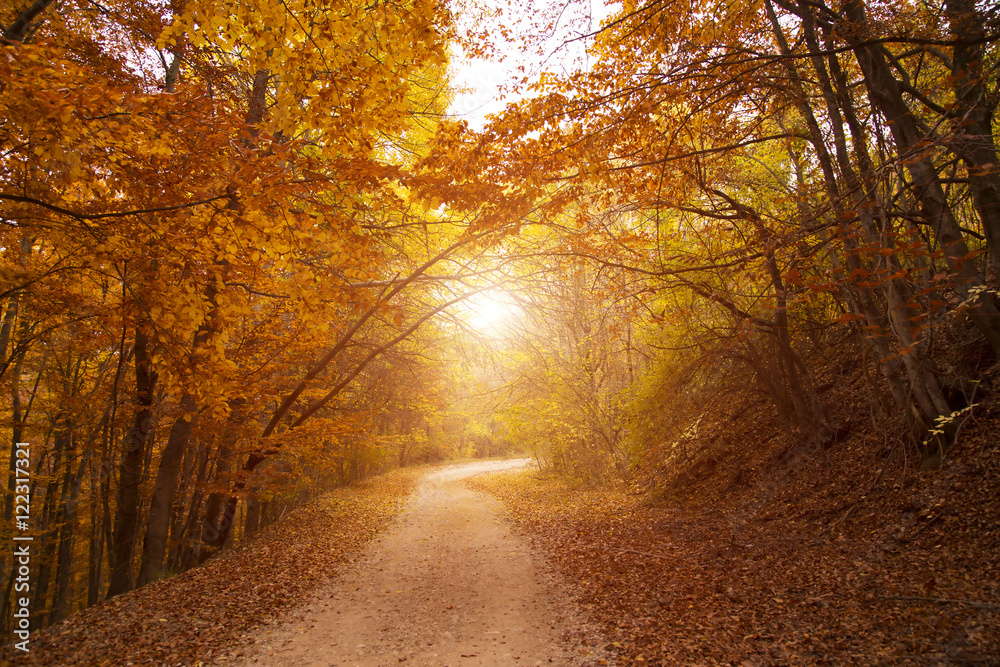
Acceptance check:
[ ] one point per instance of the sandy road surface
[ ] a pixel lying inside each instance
(448, 584)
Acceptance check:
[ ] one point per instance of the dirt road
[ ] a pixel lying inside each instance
(448, 584)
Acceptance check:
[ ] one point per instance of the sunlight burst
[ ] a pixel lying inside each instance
(490, 311)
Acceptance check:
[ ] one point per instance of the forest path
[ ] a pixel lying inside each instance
(447, 584)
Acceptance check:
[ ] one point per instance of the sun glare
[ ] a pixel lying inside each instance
(489, 312)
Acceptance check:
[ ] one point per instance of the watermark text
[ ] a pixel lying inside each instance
(22, 546)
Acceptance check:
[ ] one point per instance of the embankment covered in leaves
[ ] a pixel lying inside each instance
(201, 616)
(849, 555)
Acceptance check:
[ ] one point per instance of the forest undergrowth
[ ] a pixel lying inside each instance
(757, 552)
(202, 616)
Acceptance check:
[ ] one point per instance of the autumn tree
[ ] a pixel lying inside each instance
(217, 203)
(797, 166)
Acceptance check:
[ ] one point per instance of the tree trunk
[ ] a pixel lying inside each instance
(18, 30)
(973, 110)
(158, 524)
(100, 484)
(212, 528)
(253, 519)
(887, 95)
(64, 576)
(134, 446)
(50, 521)
(186, 547)
(192, 471)
(923, 386)
(9, 316)
(95, 551)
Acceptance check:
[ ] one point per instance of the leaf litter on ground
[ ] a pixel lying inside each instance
(204, 616)
(906, 571)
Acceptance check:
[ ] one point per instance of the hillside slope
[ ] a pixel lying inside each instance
(759, 552)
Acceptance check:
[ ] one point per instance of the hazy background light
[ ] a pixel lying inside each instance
(489, 84)
(490, 312)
